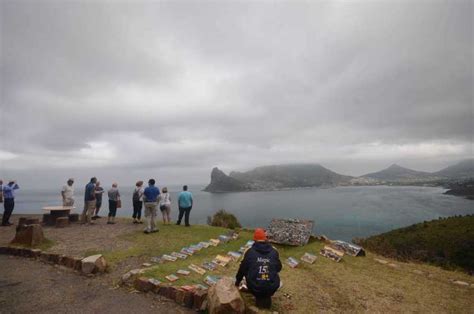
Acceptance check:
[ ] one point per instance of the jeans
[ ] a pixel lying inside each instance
(137, 209)
(9, 204)
(184, 211)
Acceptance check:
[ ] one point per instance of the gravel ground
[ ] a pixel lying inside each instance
(29, 286)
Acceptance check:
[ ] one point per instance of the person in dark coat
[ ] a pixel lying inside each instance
(260, 267)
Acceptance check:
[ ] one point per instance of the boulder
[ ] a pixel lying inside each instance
(29, 235)
(93, 264)
(62, 222)
(224, 297)
(199, 297)
(35, 253)
(67, 261)
(143, 284)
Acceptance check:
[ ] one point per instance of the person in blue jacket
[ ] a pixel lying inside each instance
(260, 267)
(9, 201)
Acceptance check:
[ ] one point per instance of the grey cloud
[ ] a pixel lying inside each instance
(250, 82)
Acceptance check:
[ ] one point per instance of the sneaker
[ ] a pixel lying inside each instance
(140, 222)
(188, 225)
(156, 230)
(135, 222)
(146, 231)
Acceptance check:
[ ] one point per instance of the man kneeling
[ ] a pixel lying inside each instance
(260, 267)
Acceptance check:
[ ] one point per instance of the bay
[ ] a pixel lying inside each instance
(340, 213)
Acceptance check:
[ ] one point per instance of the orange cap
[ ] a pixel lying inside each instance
(259, 235)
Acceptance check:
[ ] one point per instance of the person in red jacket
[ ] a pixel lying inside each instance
(260, 267)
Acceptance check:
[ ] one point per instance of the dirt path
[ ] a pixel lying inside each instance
(28, 286)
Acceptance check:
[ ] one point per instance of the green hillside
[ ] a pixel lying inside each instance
(446, 242)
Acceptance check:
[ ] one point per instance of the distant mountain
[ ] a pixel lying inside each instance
(276, 177)
(220, 182)
(461, 170)
(396, 173)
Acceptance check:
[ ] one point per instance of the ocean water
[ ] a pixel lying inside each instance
(340, 213)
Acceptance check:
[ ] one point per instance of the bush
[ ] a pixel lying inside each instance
(224, 219)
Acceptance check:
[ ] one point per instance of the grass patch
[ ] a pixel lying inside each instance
(356, 284)
(170, 238)
(44, 246)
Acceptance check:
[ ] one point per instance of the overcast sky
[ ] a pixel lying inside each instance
(171, 89)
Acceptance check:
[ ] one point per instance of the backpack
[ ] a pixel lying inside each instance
(136, 195)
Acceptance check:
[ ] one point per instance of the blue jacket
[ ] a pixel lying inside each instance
(185, 199)
(151, 193)
(260, 266)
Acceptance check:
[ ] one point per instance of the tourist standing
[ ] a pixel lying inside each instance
(89, 201)
(165, 205)
(151, 195)
(1, 191)
(114, 199)
(185, 204)
(8, 201)
(137, 199)
(98, 199)
(260, 267)
(68, 193)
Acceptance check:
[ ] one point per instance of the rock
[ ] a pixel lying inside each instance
(44, 256)
(179, 296)
(146, 265)
(62, 222)
(164, 291)
(77, 263)
(67, 261)
(188, 299)
(93, 264)
(290, 231)
(54, 258)
(29, 235)
(199, 297)
(224, 297)
(143, 284)
(156, 285)
(393, 265)
(35, 253)
(461, 283)
(172, 293)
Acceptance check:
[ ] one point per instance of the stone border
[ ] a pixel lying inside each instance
(74, 263)
(196, 299)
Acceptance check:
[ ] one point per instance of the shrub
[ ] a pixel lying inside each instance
(224, 219)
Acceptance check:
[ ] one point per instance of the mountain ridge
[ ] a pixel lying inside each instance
(301, 175)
